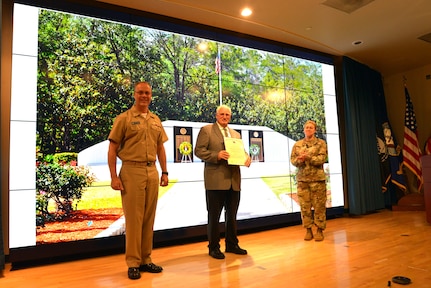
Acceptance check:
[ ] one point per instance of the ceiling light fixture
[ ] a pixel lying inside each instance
(246, 12)
(356, 43)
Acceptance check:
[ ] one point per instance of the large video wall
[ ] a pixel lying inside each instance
(73, 74)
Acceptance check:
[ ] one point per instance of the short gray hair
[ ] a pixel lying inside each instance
(224, 106)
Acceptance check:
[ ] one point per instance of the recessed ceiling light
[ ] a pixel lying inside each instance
(357, 42)
(246, 12)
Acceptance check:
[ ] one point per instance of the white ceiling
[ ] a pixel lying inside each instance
(388, 29)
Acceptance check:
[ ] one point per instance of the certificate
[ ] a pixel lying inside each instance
(235, 148)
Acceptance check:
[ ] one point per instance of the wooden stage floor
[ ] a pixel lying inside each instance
(364, 251)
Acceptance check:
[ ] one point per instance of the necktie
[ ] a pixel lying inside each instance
(225, 132)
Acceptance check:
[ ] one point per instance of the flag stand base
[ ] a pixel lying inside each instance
(410, 202)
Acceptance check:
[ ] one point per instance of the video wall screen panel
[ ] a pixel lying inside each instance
(73, 74)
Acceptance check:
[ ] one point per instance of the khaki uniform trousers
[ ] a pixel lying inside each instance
(139, 200)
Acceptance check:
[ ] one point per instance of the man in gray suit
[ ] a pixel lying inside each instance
(222, 182)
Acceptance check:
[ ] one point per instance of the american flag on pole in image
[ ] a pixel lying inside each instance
(411, 150)
(218, 64)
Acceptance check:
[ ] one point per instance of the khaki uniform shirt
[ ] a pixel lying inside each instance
(137, 136)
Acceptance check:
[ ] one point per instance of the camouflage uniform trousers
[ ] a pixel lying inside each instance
(312, 195)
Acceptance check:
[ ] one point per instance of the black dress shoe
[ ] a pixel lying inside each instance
(236, 249)
(151, 267)
(133, 273)
(216, 253)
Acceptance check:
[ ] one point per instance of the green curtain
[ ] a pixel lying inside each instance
(361, 86)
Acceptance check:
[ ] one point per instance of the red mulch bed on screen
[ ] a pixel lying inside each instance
(82, 224)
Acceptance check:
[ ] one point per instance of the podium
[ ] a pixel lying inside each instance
(426, 173)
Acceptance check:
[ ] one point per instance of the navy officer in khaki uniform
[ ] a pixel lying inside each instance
(137, 138)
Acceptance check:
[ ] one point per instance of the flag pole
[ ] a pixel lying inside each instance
(219, 74)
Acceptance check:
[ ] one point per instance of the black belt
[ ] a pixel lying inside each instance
(140, 163)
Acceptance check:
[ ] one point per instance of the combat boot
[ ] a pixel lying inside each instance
(319, 235)
(308, 235)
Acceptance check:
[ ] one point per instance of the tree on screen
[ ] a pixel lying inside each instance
(87, 68)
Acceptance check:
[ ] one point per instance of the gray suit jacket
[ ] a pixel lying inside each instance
(218, 175)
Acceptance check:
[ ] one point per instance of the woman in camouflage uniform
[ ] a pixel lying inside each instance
(308, 155)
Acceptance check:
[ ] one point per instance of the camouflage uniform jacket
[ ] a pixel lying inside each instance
(312, 168)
